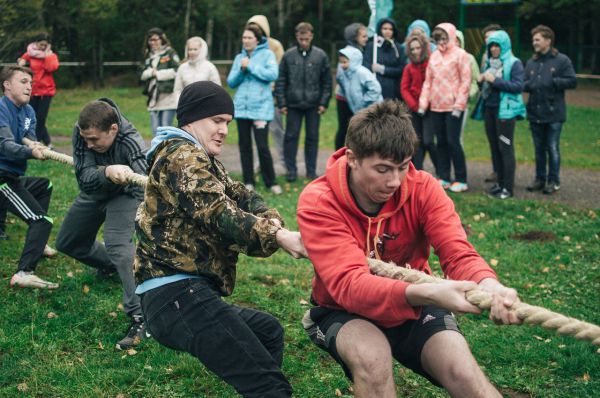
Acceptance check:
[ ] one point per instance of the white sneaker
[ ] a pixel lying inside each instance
(49, 252)
(29, 279)
(250, 187)
(276, 189)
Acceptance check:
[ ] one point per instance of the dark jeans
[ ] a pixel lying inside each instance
(261, 137)
(424, 131)
(242, 346)
(41, 106)
(28, 198)
(546, 139)
(311, 141)
(503, 147)
(447, 130)
(77, 239)
(344, 114)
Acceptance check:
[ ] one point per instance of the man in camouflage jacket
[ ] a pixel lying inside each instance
(192, 225)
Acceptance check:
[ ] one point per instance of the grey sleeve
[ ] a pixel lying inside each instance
(10, 149)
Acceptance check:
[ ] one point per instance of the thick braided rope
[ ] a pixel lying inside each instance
(135, 179)
(530, 314)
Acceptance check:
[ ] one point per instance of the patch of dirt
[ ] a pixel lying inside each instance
(533, 236)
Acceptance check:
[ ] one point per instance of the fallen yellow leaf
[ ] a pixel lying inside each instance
(86, 289)
(52, 315)
(493, 262)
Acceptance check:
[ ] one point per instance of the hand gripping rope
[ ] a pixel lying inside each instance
(530, 314)
(133, 178)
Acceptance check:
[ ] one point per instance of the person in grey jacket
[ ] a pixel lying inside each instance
(106, 149)
(303, 90)
(548, 74)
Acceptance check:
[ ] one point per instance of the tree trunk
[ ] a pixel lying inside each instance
(320, 17)
(210, 26)
(280, 16)
(186, 21)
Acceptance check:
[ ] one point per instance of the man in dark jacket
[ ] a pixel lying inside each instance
(390, 60)
(106, 149)
(302, 90)
(547, 75)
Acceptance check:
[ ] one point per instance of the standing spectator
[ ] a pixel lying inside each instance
(502, 105)
(548, 74)
(276, 125)
(423, 27)
(160, 69)
(445, 93)
(486, 32)
(26, 197)
(252, 72)
(357, 83)
(390, 59)
(356, 36)
(303, 90)
(43, 62)
(195, 67)
(413, 77)
(474, 87)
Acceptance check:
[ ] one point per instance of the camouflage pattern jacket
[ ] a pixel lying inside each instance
(196, 220)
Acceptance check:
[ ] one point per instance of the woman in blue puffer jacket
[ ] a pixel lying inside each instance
(252, 72)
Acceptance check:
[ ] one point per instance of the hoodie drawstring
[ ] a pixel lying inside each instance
(379, 223)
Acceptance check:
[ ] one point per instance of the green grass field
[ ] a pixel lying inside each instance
(71, 354)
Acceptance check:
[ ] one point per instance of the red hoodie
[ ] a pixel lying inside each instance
(43, 81)
(339, 236)
(411, 84)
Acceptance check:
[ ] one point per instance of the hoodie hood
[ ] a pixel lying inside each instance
(261, 21)
(461, 38)
(451, 31)
(203, 51)
(350, 33)
(424, 41)
(419, 23)
(354, 55)
(166, 133)
(501, 38)
(390, 21)
(337, 177)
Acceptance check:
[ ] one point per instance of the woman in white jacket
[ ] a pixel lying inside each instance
(196, 67)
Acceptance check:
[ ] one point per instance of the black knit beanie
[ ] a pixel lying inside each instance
(201, 100)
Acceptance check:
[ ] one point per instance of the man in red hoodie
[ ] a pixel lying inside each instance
(372, 202)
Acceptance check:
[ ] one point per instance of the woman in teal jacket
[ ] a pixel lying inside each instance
(501, 104)
(252, 72)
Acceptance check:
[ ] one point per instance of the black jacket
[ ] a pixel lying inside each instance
(304, 79)
(392, 57)
(547, 77)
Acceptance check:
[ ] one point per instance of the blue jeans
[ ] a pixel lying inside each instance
(161, 118)
(242, 346)
(546, 139)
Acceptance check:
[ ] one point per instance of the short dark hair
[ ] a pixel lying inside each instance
(545, 31)
(304, 27)
(9, 71)
(490, 27)
(383, 128)
(41, 36)
(256, 30)
(98, 115)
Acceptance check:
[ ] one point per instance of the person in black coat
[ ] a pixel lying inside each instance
(547, 75)
(390, 59)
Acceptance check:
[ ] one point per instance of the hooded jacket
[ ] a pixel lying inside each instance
(253, 99)
(199, 69)
(195, 220)
(448, 79)
(474, 89)
(350, 33)
(43, 69)
(127, 149)
(274, 44)
(339, 237)
(547, 76)
(413, 76)
(391, 56)
(510, 85)
(356, 84)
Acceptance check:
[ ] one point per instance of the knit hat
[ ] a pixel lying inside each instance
(200, 100)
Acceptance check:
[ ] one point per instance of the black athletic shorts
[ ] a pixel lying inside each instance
(406, 341)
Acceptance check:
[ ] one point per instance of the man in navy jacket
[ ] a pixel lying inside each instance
(547, 75)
